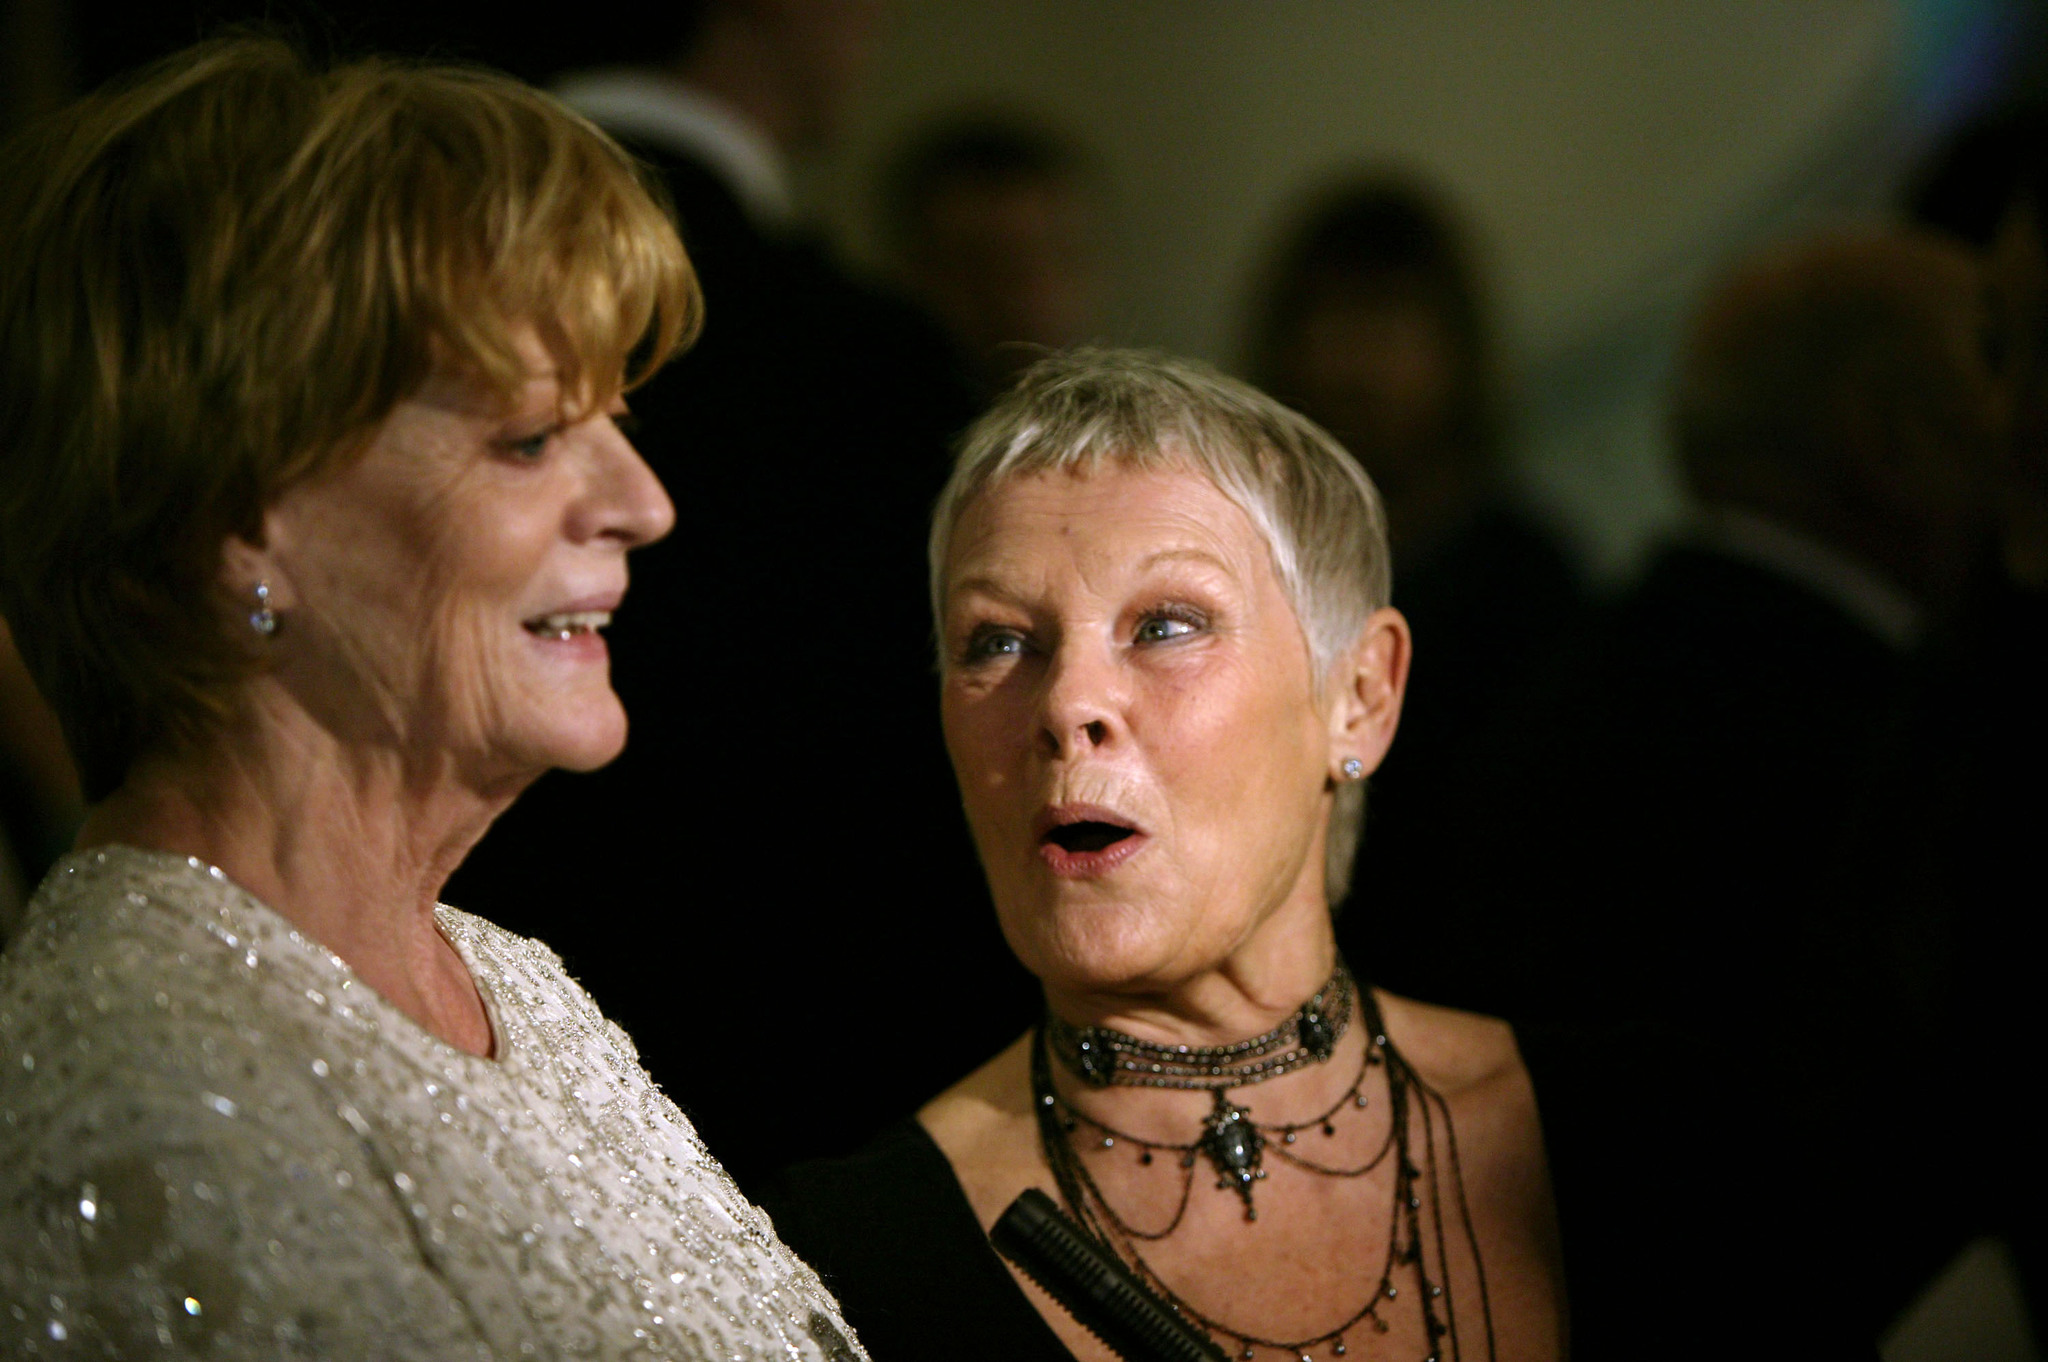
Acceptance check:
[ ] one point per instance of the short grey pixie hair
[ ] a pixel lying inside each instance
(1081, 411)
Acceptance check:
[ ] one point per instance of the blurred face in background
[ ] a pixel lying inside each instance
(1921, 441)
(826, 47)
(1374, 361)
(1129, 703)
(1007, 266)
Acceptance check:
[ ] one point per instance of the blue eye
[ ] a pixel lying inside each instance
(1165, 628)
(991, 643)
(531, 447)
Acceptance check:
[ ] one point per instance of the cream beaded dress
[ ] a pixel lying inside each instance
(216, 1142)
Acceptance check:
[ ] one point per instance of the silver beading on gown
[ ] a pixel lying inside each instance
(216, 1142)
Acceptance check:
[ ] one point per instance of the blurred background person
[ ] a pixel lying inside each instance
(1984, 188)
(1834, 414)
(1672, 803)
(312, 508)
(992, 223)
(1948, 849)
(1373, 324)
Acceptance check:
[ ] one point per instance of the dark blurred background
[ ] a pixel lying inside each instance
(1607, 157)
(1700, 754)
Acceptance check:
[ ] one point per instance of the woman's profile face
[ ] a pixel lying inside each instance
(1130, 708)
(442, 594)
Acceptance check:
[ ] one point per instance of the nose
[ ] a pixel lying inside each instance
(1082, 702)
(626, 502)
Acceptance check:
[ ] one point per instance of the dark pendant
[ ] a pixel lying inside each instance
(1093, 1058)
(1232, 1143)
(1318, 1036)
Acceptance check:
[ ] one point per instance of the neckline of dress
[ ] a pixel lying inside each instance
(448, 921)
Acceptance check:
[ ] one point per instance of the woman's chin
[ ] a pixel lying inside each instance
(592, 750)
(1107, 947)
(581, 739)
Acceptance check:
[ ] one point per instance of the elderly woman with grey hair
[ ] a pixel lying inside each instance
(1167, 666)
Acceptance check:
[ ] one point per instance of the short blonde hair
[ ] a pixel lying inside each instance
(217, 279)
(1085, 410)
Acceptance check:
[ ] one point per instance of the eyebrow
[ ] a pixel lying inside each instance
(987, 586)
(1187, 555)
(990, 586)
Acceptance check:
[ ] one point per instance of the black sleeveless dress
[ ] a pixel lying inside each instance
(1673, 1248)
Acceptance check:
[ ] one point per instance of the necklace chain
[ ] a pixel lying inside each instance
(1101, 1057)
(1233, 1142)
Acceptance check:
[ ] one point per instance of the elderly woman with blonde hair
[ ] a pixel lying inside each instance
(1167, 666)
(312, 506)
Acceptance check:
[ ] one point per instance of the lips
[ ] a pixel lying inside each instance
(1085, 841)
(567, 624)
(576, 621)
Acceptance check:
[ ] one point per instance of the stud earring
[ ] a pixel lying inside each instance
(1354, 769)
(263, 619)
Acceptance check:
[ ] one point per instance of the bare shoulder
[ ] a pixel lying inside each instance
(985, 1127)
(1474, 1065)
(985, 1104)
(1456, 1053)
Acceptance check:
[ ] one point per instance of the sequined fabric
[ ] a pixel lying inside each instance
(215, 1142)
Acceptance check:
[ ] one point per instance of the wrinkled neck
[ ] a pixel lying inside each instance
(350, 845)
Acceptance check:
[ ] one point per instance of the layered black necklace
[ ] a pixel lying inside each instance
(1235, 1146)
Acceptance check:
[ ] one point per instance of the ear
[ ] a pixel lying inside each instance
(1366, 689)
(245, 562)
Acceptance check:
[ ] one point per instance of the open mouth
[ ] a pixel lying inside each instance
(1088, 836)
(568, 624)
(1083, 842)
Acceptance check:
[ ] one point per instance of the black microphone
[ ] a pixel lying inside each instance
(1093, 1286)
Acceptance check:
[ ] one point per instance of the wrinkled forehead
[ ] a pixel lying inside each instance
(1104, 523)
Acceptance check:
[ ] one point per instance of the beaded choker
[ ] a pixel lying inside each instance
(1101, 1057)
(1419, 1146)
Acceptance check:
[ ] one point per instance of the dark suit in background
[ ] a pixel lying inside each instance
(1647, 876)
(1492, 605)
(1680, 776)
(1645, 897)
(1946, 866)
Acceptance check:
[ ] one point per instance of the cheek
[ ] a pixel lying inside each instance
(1240, 763)
(988, 725)
(1216, 733)
(982, 739)
(466, 591)
(371, 595)
(465, 642)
